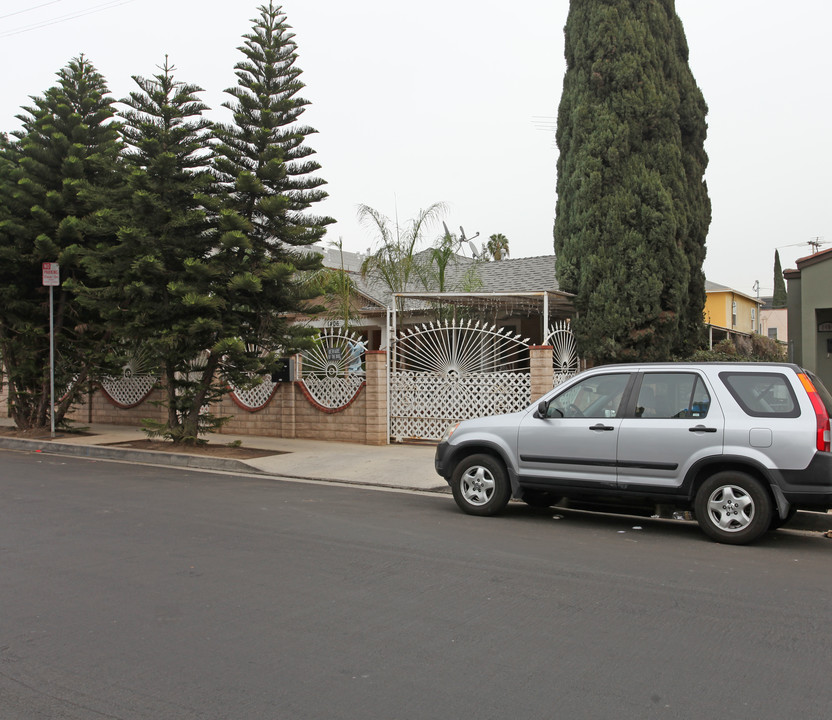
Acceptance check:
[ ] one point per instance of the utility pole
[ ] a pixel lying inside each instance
(756, 287)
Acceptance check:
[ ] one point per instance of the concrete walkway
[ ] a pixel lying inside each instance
(407, 467)
(396, 466)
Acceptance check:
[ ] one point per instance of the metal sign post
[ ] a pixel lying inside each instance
(51, 278)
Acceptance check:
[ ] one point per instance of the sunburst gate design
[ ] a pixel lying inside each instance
(332, 370)
(135, 383)
(459, 350)
(442, 373)
(565, 361)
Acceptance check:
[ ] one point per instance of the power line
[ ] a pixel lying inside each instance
(66, 18)
(25, 10)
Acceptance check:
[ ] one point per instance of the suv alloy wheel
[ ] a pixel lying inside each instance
(733, 507)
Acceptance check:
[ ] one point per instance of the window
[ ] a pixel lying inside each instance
(595, 397)
(772, 333)
(762, 394)
(734, 313)
(672, 395)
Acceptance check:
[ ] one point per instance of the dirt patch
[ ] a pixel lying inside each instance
(209, 450)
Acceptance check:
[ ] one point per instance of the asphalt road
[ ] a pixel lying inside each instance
(133, 592)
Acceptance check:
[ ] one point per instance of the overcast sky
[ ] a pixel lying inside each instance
(452, 100)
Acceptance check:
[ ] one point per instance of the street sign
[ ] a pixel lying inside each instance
(51, 274)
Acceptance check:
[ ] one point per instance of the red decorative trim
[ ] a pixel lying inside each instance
(119, 405)
(541, 347)
(239, 403)
(329, 411)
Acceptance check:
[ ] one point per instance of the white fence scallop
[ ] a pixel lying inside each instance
(332, 370)
(565, 361)
(132, 387)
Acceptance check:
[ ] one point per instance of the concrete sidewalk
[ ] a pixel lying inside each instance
(395, 466)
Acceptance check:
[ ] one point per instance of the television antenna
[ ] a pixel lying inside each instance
(815, 243)
(476, 253)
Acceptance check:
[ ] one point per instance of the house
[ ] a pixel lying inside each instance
(730, 312)
(514, 294)
(774, 322)
(810, 313)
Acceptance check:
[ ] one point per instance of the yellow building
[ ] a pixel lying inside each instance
(730, 309)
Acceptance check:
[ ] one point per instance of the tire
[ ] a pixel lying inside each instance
(540, 498)
(733, 507)
(480, 485)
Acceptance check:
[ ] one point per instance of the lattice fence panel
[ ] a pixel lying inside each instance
(254, 398)
(424, 405)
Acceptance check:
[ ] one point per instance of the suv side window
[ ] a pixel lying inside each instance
(595, 397)
(762, 394)
(672, 395)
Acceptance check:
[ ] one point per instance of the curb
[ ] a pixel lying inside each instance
(147, 457)
(181, 460)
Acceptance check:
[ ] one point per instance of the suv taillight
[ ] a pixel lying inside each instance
(822, 417)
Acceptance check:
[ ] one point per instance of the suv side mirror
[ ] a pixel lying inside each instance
(542, 408)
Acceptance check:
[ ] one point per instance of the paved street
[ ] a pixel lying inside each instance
(138, 592)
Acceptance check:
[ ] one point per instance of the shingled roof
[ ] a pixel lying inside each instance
(512, 275)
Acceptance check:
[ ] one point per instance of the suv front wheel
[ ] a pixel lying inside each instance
(733, 507)
(480, 485)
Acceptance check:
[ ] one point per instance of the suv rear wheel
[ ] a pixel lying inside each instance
(480, 485)
(733, 507)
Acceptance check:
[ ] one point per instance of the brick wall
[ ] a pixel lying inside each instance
(290, 413)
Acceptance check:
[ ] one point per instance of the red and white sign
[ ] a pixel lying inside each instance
(51, 274)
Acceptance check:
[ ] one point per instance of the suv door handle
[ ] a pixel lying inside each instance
(600, 426)
(701, 429)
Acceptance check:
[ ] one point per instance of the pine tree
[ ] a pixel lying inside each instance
(163, 288)
(60, 186)
(780, 299)
(632, 209)
(264, 165)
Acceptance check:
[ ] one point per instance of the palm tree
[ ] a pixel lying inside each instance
(497, 246)
(336, 287)
(397, 262)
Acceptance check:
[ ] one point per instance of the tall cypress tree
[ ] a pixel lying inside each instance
(780, 298)
(60, 185)
(264, 166)
(632, 210)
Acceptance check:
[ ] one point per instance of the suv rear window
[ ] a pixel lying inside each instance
(762, 394)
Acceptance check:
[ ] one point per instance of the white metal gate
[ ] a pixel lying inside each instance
(442, 373)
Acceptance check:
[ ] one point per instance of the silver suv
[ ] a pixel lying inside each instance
(741, 445)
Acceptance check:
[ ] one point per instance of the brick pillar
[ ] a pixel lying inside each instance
(288, 398)
(375, 397)
(540, 364)
(4, 395)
